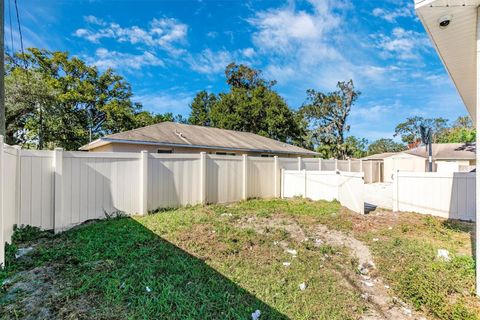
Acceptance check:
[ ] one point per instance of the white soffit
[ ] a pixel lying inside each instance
(456, 44)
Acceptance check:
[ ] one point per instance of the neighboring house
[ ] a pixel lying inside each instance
(378, 156)
(447, 157)
(171, 137)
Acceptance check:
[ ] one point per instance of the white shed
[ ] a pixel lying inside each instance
(402, 161)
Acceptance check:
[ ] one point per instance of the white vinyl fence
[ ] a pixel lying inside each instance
(59, 189)
(447, 195)
(346, 187)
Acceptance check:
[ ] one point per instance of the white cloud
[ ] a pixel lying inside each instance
(405, 11)
(105, 59)
(163, 33)
(285, 30)
(402, 44)
(166, 102)
(210, 62)
(248, 52)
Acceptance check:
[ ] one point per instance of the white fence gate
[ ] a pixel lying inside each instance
(346, 187)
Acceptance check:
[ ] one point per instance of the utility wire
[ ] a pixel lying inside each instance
(21, 37)
(12, 49)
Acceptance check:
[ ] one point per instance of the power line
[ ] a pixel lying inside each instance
(12, 49)
(21, 36)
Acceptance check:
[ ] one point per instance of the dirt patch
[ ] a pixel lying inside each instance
(366, 281)
(30, 292)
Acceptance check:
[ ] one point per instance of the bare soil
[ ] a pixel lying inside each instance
(365, 280)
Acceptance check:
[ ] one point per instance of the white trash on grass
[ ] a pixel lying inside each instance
(302, 286)
(23, 251)
(443, 254)
(256, 315)
(293, 252)
(286, 264)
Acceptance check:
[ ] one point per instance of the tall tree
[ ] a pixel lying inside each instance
(385, 145)
(462, 130)
(328, 113)
(409, 130)
(54, 100)
(355, 147)
(251, 105)
(200, 108)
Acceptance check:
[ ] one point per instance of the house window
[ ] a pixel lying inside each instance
(164, 151)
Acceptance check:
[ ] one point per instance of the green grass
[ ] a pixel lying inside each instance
(199, 263)
(406, 255)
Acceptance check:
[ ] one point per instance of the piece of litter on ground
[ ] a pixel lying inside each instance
(368, 283)
(226, 215)
(375, 239)
(387, 287)
(364, 296)
(318, 241)
(286, 264)
(390, 228)
(275, 243)
(122, 286)
(407, 311)
(23, 251)
(148, 289)
(292, 251)
(302, 286)
(256, 315)
(443, 254)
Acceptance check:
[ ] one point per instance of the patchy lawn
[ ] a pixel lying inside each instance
(226, 261)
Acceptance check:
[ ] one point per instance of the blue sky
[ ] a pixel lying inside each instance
(169, 50)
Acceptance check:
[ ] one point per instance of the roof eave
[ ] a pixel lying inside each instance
(103, 141)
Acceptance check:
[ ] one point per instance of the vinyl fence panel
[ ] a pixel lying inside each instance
(261, 177)
(350, 191)
(322, 185)
(10, 191)
(96, 185)
(224, 178)
(173, 180)
(448, 195)
(36, 189)
(346, 187)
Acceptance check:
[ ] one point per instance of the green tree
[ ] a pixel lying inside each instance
(53, 100)
(251, 105)
(385, 145)
(200, 108)
(409, 130)
(327, 114)
(461, 131)
(355, 147)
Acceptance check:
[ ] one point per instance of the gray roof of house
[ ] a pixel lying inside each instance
(447, 151)
(184, 135)
(379, 156)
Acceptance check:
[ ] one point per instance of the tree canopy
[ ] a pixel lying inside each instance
(250, 105)
(327, 115)
(409, 130)
(54, 100)
(385, 145)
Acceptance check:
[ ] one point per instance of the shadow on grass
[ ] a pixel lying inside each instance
(120, 269)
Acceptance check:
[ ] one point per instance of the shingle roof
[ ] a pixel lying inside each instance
(379, 156)
(447, 151)
(184, 135)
